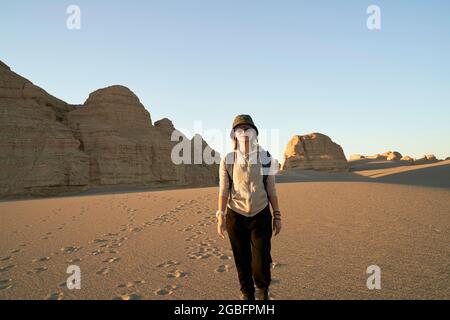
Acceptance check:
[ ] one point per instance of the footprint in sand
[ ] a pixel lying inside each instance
(103, 271)
(167, 264)
(114, 246)
(130, 296)
(70, 250)
(166, 291)
(131, 284)
(198, 255)
(97, 241)
(97, 252)
(191, 238)
(55, 296)
(148, 223)
(111, 234)
(5, 258)
(38, 270)
(205, 250)
(276, 265)
(136, 229)
(223, 268)
(177, 274)
(6, 284)
(7, 268)
(187, 229)
(43, 259)
(111, 260)
(16, 251)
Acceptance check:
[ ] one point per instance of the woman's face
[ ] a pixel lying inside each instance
(245, 133)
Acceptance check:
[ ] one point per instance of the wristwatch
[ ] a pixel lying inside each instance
(220, 213)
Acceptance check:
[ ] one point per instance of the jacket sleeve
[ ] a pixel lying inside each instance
(224, 180)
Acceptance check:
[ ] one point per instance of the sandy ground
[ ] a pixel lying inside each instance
(163, 244)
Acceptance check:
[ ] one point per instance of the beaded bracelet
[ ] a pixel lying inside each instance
(277, 215)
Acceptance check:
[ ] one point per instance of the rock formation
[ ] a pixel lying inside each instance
(37, 152)
(389, 156)
(48, 147)
(392, 155)
(426, 159)
(407, 159)
(355, 157)
(396, 156)
(315, 151)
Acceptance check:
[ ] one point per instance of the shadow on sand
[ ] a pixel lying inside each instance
(435, 175)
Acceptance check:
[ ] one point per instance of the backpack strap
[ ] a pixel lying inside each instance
(266, 162)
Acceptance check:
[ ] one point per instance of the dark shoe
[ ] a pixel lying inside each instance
(247, 296)
(262, 294)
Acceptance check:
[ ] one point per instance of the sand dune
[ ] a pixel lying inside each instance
(163, 244)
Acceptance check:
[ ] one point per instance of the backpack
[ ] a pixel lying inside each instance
(266, 161)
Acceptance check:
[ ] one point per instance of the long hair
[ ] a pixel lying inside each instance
(235, 143)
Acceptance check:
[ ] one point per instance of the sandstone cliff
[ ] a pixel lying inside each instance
(48, 147)
(315, 151)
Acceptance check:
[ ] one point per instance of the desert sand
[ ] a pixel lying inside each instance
(163, 244)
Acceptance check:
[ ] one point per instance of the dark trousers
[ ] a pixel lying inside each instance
(250, 241)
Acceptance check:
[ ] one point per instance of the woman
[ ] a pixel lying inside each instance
(245, 194)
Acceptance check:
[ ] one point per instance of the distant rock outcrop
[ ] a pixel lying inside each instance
(426, 159)
(407, 159)
(389, 156)
(396, 156)
(315, 151)
(355, 157)
(48, 147)
(392, 156)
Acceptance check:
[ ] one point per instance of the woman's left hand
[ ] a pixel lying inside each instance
(276, 226)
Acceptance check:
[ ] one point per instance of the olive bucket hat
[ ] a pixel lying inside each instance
(243, 119)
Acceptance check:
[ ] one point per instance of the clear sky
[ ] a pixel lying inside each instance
(296, 66)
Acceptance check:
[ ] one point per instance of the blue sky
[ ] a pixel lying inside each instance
(295, 66)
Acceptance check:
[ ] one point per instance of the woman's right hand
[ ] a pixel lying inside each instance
(221, 226)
